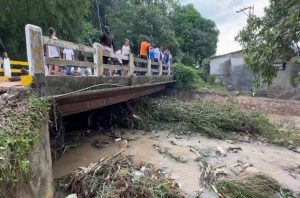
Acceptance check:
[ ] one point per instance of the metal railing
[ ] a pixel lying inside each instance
(35, 42)
(7, 68)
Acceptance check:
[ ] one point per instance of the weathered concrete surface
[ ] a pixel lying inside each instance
(56, 85)
(40, 185)
(283, 85)
(233, 73)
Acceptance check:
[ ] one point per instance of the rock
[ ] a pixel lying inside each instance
(229, 141)
(250, 170)
(72, 196)
(221, 152)
(291, 147)
(297, 150)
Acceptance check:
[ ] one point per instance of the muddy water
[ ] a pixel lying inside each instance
(269, 159)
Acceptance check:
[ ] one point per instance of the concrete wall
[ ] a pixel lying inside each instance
(39, 183)
(283, 85)
(55, 85)
(232, 72)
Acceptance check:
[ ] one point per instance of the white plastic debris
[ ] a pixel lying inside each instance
(72, 196)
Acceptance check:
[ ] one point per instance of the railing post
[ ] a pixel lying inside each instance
(160, 68)
(35, 50)
(149, 67)
(98, 59)
(169, 70)
(131, 65)
(7, 68)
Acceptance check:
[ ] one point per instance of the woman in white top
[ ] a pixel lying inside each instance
(53, 52)
(126, 52)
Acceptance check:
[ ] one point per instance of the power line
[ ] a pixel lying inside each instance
(250, 11)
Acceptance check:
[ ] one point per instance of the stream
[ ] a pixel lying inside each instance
(278, 162)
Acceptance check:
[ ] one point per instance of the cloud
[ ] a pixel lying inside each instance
(223, 12)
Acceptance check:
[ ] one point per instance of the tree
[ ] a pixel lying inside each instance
(135, 20)
(66, 17)
(271, 37)
(196, 35)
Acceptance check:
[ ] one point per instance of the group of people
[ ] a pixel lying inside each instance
(67, 54)
(146, 51)
(158, 54)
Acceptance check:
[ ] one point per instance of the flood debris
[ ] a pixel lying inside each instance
(221, 152)
(252, 186)
(165, 151)
(119, 176)
(234, 149)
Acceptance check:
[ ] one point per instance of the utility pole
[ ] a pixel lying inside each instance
(250, 11)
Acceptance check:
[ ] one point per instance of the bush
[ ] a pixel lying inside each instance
(185, 76)
(188, 60)
(211, 79)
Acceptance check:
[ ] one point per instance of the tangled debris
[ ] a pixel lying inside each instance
(199, 116)
(253, 186)
(165, 151)
(118, 176)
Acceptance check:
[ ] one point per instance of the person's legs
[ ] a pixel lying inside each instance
(68, 70)
(50, 70)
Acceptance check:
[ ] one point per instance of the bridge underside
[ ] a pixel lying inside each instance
(89, 100)
(79, 94)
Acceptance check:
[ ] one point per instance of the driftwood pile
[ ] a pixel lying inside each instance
(119, 176)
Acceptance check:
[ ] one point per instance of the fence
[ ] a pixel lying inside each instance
(8, 68)
(35, 42)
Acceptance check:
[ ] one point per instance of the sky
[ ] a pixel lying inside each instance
(223, 12)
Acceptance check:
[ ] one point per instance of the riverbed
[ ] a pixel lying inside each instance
(278, 162)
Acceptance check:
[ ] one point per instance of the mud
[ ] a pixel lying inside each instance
(282, 164)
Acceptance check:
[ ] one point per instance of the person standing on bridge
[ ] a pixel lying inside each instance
(108, 44)
(68, 55)
(125, 52)
(53, 52)
(144, 49)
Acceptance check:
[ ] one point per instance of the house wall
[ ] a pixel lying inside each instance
(235, 75)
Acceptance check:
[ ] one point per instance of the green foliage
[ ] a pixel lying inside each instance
(21, 126)
(196, 35)
(211, 79)
(204, 69)
(188, 60)
(253, 186)
(199, 116)
(270, 37)
(66, 17)
(135, 21)
(128, 19)
(185, 76)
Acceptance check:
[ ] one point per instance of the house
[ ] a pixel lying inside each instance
(231, 70)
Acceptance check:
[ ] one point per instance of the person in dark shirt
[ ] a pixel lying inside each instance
(107, 39)
(3, 52)
(108, 44)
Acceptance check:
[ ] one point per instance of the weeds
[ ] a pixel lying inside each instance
(21, 123)
(254, 186)
(219, 121)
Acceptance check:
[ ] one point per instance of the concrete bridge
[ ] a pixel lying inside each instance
(78, 94)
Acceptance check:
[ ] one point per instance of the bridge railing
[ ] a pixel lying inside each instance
(35, 42)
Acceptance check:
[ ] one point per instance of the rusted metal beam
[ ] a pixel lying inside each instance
(89, 100)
